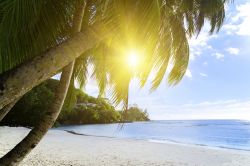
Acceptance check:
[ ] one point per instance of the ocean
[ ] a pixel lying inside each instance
(231, 134)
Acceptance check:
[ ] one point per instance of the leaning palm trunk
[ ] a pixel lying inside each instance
(33, 138)
(6, 109)
(20, 80)
(18, 153)
(75, 29)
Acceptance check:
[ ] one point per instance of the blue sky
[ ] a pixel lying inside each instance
(217, 82)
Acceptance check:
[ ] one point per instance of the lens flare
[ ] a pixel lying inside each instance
(133, 59)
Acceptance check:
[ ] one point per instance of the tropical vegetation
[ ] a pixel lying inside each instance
(84, 109)
(39, 38)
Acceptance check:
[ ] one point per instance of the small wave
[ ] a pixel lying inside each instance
(221, 134)
(167, 141)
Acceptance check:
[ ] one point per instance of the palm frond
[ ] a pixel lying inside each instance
(159, 28)
(29, 27)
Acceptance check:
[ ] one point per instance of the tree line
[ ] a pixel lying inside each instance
(40, 38)
(83, 109)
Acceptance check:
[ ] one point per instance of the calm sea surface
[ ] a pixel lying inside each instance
(233, 134)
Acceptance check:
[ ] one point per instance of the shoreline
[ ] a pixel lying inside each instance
(63, 148)
(166, 141)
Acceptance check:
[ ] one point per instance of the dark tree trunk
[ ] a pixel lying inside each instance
(6, 109)
(20, 80)
(17, 154)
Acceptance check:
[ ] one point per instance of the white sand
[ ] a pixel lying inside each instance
(62, 148)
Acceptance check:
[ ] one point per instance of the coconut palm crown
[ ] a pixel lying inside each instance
(159, 29)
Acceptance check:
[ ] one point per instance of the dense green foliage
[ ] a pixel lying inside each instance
(134, 114)
(83, 109)
(31, 107)
(158, 28)
(90, 114)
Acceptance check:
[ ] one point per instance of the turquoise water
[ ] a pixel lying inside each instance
(233, 134)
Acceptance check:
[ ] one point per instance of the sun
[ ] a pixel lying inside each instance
(133, 59)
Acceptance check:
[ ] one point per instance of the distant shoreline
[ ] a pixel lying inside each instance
(167, 141)
(226, 134)
(64, 148)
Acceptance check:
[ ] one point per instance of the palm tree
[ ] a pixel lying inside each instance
(7, 108)
(36, 134)
(160, 27)
(64, 49)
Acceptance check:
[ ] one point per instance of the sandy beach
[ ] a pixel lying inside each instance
(62, 148)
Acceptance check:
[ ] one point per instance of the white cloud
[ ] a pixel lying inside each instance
(203, 74)
(57, 76)
(91, 88)
(218, 55)
(188, 73)
(233, 51)
(200, 43)
(244, 13)
(240, 22)
(224, 109)
(194, 54)
(230, 28)
(204, 63)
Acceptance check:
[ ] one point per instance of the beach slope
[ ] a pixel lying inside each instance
(62, 148)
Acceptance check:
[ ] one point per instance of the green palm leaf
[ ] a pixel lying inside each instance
(158, 28)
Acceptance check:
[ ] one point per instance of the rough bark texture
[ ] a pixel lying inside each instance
(23, 78)
(18, 153)
(6, 109)
(75, 28)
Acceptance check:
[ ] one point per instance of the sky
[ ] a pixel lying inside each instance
(217, 82)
